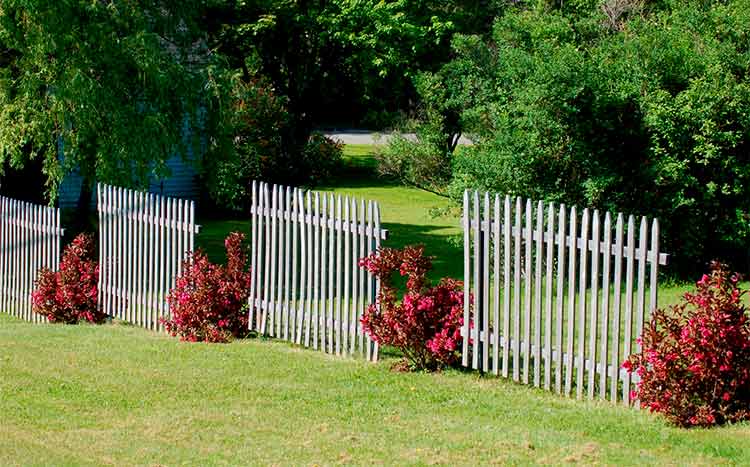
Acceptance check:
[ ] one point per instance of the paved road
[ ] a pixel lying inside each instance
(371, 137)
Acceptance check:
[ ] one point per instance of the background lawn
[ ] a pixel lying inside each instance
(120, 395)
(411, 215)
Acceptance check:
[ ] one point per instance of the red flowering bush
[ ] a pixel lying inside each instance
(695, 364)
(209, 301)
(69, 295)
(426, 323)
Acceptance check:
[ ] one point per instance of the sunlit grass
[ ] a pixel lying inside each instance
(120, 395)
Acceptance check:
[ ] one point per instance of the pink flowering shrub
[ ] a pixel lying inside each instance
(695, 362)
(209, 301)
(426, 323)
(69, 295)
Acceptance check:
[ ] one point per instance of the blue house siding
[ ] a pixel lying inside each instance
(181, 183)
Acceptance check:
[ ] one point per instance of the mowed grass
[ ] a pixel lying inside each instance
(411, 215)
(120, 395)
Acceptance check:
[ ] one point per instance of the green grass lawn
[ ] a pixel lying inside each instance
(120, 395)
(406, 212)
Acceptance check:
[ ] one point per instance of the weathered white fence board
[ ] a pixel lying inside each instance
(30, 239)
(307, 286)
(143, 239)
(562, 323)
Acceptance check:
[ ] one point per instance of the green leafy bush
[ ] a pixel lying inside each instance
(255, 122)
(321, 155)
(646, 111)
(262, 148)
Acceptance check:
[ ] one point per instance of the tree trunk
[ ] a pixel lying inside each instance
(82, 219)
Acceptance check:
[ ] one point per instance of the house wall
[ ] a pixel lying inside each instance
(181, 183)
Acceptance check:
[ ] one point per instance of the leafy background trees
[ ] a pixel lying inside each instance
(624, 106)
(637, 106)
(104, 87)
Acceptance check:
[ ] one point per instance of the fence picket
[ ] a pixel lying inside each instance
(29, 241)
(538, 249)
(478, 296)
(641, 303)
(497, 241)
(371, 291)
(605, 305)
(331, 273)
(361, 272)
(653, 286)
(316, 269)
(308, 277)
(467, 281)
(573, 337)
(485, 311)
(517, 294)
(303, 267)
(354, 326)
(630, 248)
(378, 238)
(144, 239)
(506, 285)
(347, 262)
(571, 300)
(616, 309)
(596, 236)
(583, 269)
(296, 260)
(528, 274)
(549, 292)
(560, 298)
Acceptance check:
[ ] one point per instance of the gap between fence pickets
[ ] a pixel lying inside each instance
(621, 372)
(309, 219)
(663, 257)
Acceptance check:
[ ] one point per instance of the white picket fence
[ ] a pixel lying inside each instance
(307, 287)
(560, 298)
(143, 240)
(30, 239)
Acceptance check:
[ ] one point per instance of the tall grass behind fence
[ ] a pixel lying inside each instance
(560, 295)
(30, 239)
(143, 240)
(307, 287)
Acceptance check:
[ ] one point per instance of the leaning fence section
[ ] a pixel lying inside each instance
(560, 296)
(143, 240)
(307, 286)
(30, 239)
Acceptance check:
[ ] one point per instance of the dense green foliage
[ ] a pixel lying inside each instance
(310, 62)
(641, 107)
(104, 87)
(616, 106)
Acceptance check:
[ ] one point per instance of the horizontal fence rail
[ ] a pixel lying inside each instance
(307, 287)
(143, 240)
(560, 296)
(30, 239)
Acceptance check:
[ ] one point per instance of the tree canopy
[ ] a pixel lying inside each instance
(106, 87)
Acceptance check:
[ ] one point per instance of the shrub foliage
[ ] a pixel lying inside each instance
(608, 106)
(426, 323)
(695, 362)
(69, 295)
(209, 301)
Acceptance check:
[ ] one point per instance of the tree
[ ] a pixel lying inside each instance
(102, 86)
(317, 55)
(645, 112)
